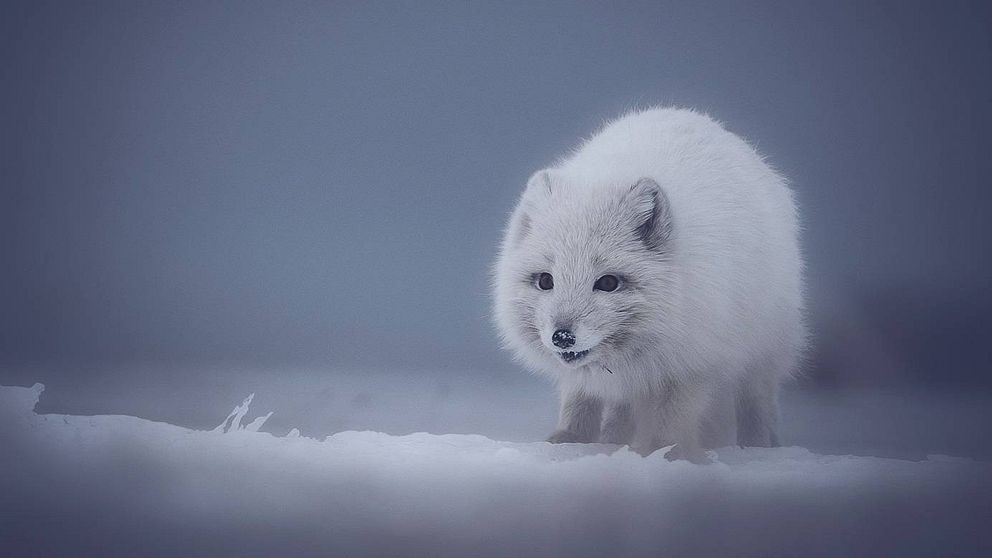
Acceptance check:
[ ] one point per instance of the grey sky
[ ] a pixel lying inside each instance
(326, 182)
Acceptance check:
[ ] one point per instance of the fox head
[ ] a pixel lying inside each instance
(582, 270)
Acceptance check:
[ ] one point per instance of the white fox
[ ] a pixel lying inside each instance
(651, 273)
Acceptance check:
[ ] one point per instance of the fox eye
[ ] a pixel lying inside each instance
(545, 282)
(608, 283)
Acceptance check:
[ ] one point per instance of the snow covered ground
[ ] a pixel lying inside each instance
(121, 485)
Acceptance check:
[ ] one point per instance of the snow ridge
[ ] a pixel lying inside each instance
(119, 482)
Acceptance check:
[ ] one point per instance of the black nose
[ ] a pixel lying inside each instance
(563, 338)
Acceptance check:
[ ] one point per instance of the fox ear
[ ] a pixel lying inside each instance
(651, 213)
(539, 189)
(539, 184)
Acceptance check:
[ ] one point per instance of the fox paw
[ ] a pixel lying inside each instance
(563, 437)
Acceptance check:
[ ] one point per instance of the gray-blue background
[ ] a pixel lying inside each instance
(272, 185)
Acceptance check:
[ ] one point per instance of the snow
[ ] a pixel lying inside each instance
(121, 485)
(234, 418)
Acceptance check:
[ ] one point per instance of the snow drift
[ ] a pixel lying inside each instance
(120, 485)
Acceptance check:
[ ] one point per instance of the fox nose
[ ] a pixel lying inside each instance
(563, 339)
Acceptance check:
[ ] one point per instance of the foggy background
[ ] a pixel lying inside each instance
(200, 200)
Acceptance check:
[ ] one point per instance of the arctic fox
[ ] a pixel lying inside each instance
(655, 274)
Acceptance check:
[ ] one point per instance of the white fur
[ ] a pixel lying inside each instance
(713, 305)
